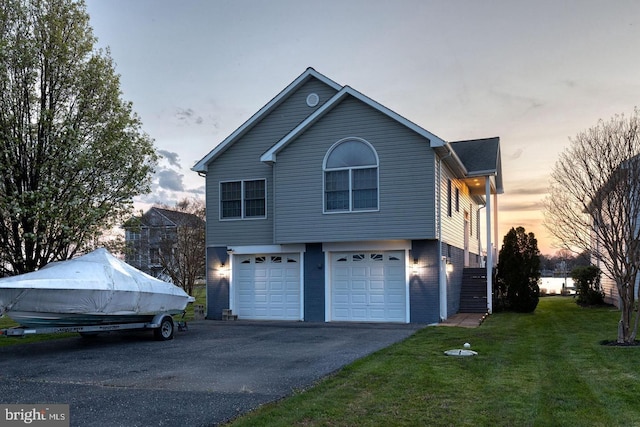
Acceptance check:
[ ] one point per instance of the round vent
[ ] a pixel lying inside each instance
(313, 99)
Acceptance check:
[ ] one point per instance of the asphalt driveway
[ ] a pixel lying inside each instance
(204, 376)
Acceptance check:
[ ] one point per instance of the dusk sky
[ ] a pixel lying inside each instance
(534, 73)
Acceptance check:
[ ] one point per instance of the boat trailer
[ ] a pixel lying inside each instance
(163, 327)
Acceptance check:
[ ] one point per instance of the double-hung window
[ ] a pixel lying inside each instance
(351, 177)
(243, 199)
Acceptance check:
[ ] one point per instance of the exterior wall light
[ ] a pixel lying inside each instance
(223, 269)
(449, 265)
(415, 266)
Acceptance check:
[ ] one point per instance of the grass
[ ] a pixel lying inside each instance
(5, 322)
(542, 369)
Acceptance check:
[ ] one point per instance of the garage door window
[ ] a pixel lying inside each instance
(351, 177)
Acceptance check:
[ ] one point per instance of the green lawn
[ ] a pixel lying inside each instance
(542, 369)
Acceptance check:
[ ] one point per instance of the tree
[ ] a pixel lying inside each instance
(518, 271)
(587, 281)
(182, 255)
(594, 205)
(72, 152)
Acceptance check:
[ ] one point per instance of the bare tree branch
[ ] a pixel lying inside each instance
(594, 205)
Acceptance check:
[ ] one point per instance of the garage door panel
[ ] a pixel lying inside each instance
(268, 287)
(359, 314)
(377, 285)
(292, 273)
(358, 285)
(395, 299)
(377, 271)
(341, 299)
(358, 299)
(377, 299)
(358, 272)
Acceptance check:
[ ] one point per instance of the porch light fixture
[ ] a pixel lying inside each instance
(222, 270)
(415, 266)
(449, 265)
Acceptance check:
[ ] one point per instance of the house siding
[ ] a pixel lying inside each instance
(453, 226)
(424, 303)
(217, 285)
(241, 161)
(314, 286)
(406, 181)
(454, 277)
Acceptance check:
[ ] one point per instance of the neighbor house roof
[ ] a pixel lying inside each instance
(164, 218)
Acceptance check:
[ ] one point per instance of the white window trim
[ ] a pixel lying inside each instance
(350, 169)
(242, 208)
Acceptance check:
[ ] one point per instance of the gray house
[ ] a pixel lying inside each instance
(327, 206)
(152, 238)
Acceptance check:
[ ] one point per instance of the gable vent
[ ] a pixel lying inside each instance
(313, 99)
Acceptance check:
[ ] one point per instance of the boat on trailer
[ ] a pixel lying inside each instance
(96, 289)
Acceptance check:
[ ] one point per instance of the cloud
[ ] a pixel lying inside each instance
(172, 158)
(518, 101)
(197, 190)
(170, 180)
(516, 154)
(520, 206)
(188, 116)
(527, 190)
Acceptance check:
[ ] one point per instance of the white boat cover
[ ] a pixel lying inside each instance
(94, 284)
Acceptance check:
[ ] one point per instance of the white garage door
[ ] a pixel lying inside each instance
(267, 286)
(368, 286)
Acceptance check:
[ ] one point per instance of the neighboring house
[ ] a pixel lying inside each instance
(327, 206)
(150, 236)
(615, 228)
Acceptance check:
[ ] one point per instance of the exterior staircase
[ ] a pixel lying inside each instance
(473, 294)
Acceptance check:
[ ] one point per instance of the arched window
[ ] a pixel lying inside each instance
(351, 177)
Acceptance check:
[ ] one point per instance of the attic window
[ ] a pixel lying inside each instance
(351, 177)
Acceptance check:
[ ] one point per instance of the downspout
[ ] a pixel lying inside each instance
(442, 265)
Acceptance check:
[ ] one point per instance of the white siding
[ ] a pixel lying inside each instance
(453, 226)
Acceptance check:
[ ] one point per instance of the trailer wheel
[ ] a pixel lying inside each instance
(165, 331)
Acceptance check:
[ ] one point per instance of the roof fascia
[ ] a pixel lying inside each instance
(270, 155)
(201, 166)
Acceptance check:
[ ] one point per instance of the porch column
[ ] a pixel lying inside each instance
(489, 246)
(443, 288)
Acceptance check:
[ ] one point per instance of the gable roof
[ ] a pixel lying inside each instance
(467, 159)
(481, 157)
(178, 218)
(201, 166)
(164, 218)
(270, 155)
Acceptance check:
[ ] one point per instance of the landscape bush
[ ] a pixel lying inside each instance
(587, 283)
